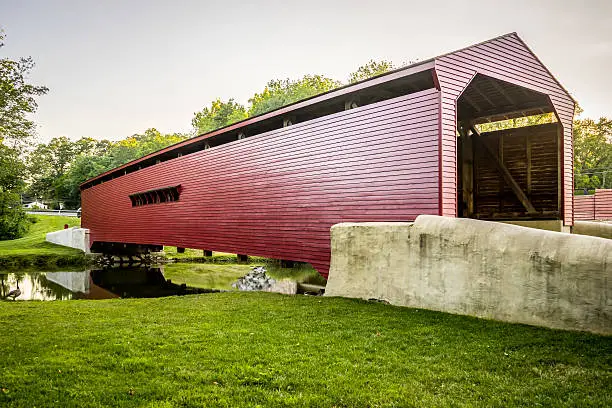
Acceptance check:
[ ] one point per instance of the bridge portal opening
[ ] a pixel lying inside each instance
(508, 153)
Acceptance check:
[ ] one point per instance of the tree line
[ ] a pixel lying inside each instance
(52, 172)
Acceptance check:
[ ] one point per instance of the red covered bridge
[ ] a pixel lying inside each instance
(385, 149)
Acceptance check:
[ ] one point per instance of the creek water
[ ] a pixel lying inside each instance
(130, 282)
(92, 284)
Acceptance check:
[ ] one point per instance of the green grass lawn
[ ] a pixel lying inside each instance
(263, 349)
(33, 250)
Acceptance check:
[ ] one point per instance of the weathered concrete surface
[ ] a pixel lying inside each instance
(478, 268)
(71, 237)
(593, 228)
(549, 225)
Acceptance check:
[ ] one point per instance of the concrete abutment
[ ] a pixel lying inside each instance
(478, 268)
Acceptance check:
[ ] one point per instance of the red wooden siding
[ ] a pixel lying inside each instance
(505, 58)
(594, 207)
(278, 193)
(603, 204)
(453, 80)
(584, 207)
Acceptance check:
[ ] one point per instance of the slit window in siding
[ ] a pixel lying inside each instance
(158, 196)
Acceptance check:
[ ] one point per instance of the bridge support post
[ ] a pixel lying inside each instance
(286, 264)
(180, 250)
(207, 252)
(243, 258)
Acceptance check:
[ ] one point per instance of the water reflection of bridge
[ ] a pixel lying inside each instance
(80, 284)
(93, 284)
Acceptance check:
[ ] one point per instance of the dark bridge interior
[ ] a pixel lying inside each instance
(513, 173)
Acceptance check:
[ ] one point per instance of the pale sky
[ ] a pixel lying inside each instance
(115, 68)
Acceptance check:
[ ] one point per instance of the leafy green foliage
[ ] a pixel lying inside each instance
(593, 153)
(371, 69)
(220, 114)
(12, 170)
(13, 220)
(517, 122)
(278, 93)
(269, 350)
(17, 101)
(139, 145)
(81, 169)
(47, 163)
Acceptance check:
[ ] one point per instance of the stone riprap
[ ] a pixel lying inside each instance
(477, 268)
(257, 279)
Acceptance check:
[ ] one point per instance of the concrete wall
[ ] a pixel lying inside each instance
(549, 225)
(71, 237)
(593, 228)
(478, 268)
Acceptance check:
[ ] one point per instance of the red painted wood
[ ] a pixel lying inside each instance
(278, 193)
(594, 207)
(584, 207)
(506, 58)
(603, 204)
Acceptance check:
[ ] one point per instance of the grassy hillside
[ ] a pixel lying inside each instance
(33, 250)
(262, 349)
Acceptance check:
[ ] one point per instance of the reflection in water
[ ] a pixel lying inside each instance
(33, 286)
(141, 283)
(95, 284)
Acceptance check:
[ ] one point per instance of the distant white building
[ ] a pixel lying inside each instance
(36, 204)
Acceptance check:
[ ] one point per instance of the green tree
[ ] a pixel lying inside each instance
(370, 69)
(17, 99)
(47, 164)
(12, 170)
(152, 140)
(593, 153)
(139, 145)
(517, 122)
(218, 115)
(278, 93)
(13, 220)
(81, 169)
(17, 102)
(91, 147)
